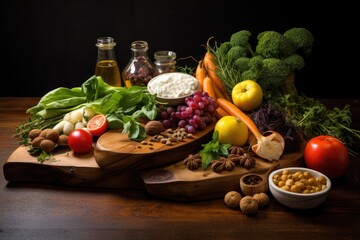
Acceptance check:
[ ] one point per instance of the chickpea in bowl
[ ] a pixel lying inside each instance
(299, 188)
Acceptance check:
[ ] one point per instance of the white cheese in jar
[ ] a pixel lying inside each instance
(173, 85)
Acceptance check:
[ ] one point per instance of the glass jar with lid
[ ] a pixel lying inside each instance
(106, 64)
(140, 70)
(165, 61)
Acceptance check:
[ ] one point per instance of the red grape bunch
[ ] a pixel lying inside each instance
(197, 112)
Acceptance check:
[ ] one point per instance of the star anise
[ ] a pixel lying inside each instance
(193, 161)
(249, 161)
(221, 164)
(236, 150)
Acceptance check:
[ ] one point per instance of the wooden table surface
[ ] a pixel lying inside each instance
(37, 211)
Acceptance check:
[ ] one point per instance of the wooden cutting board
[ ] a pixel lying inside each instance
(114, 162)
(176, 182)
(66, 169)
(115, 151)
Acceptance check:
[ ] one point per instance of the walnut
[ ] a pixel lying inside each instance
(193, 161)
(222, 163)
(248, 205)
(232, 199)
(261, 198)
(154, 127)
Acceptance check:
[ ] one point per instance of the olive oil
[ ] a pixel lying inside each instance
(106, 65)
(109, 71)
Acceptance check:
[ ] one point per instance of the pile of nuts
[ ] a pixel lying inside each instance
(47, 139)
(249, 205)
(299, 182)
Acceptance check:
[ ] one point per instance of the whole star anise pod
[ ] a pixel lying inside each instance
(221, 164)
(249, 161)
(193, 161)
(236, 150)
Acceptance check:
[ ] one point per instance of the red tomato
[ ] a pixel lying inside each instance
(97, 125)
(327, 155)
(80, 141)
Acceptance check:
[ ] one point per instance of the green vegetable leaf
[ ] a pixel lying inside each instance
(135, 131)
(213, 150)
(114, 122)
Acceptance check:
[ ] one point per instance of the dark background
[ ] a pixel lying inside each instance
(49, 44)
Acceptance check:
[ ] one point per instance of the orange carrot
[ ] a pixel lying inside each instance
(221, 112)
(230, 108)
(209, 87)
(218, 92)
(269, 146)
(210, 67)
(200, 73)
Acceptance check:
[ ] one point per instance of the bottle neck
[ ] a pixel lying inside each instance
(106, 53)
(106, 48)
(139, 49)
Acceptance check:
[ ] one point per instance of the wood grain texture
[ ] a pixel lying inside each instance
(177, 182)
(115, 151)
(40, 211)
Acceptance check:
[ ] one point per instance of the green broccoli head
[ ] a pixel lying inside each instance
(272, 44)
(301, 39)
(255, 67)
(236, 52)
(295, 62)
(249, 74)
(224, 48)
(242, 64)
(240, 38)
(256, 62)
(273, 73)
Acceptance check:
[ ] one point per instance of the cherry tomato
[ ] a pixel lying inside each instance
(80, 141)
(327, 155)
(97, 125)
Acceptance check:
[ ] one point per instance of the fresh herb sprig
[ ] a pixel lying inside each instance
(213, 150)
(313, 118)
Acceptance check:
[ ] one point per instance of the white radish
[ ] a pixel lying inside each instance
(76, 115)
(59, 126)
(68, 127)
(88, 113)
(79, 125)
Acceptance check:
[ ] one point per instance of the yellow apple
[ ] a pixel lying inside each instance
(247, 95)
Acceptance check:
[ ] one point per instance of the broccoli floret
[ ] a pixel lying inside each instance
(249, 74)
(255, 68)
(272, 44)
(295, 62)
(224, 48)
(236, 52)
(242, 64)
(256, 62)
(273, 73)
(240, 38)
(301, 39)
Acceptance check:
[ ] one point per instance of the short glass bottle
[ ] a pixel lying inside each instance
(106, 65)
(140, 70)
(165, 61)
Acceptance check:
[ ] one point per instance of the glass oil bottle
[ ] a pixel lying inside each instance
(106, 65)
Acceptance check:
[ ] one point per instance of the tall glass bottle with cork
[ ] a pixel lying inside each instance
(106, 65)
(140, 70)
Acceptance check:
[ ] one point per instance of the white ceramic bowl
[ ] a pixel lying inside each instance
(298, 200)
(172, 88)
